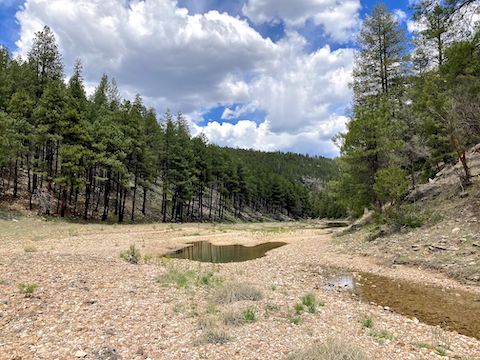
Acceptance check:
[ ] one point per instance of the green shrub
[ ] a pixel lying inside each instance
(132, 255)
(27, 289)
(310, 303)
(249, 315)
(296, 320)
(366, 322)
(299, 308)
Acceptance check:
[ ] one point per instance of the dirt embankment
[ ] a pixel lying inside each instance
(450, 239)
(91, 304)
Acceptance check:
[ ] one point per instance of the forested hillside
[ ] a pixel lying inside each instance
(101, 157)
(416, 105)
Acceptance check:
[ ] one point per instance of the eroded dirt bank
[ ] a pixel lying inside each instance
(92, 304)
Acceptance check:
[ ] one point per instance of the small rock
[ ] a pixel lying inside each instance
(80, 354)
(456, 230)
(464, 194)
(476, 245)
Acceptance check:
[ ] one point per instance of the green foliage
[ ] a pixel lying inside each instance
(391, 184)
(310, 302)
(406, 216)
(132, 255)
(181, 279)
(366, 321)
(249, 315)
(27, 289)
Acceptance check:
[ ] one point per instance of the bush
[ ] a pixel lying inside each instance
(249, 315)
(232, 292)
(404, 217)
(27, 289)
(132, 255)
(330, 350)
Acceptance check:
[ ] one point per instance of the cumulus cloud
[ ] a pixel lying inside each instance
(193, 62)
(339, 18)
(247, 134)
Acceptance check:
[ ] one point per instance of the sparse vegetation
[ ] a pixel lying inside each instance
(184, 278)
(310, 302)
(233, 292)
(366, 321)
(27, 289)
(30, 249)
(180, 279)
(382, 335)
(209, 279)
(439, 349)
(132, 255)
(233, 318)
(249, 315)
(330, 350)
(296, 320)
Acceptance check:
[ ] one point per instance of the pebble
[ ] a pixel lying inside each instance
(80, 354)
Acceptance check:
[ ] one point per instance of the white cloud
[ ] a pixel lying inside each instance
(194, 62)
(400, 15)
(247, 134)
(339, 18)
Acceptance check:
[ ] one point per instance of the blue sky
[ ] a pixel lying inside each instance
(265, 74)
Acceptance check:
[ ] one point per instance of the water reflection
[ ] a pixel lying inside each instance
(204, 251)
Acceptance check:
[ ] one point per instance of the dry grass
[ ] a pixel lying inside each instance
(232, 292)
(330, 350)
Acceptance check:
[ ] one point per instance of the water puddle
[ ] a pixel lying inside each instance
(204, 251)
(452, 310)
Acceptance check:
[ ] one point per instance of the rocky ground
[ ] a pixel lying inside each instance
(92, 304)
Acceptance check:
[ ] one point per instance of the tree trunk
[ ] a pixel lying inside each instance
(134, 198)
(144, 200)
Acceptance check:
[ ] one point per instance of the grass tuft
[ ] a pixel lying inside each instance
(232, 292)
(27, 289)
(330, 350)
(180, 279)
(366, 321)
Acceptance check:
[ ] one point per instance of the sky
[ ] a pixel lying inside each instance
(264, 74)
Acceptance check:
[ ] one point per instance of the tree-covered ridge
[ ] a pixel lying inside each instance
(289, 165)
(103, 157)
(416, 103)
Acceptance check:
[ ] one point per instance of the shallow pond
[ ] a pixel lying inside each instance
(204, 251)
(452, 310)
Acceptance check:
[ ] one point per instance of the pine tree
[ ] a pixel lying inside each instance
(380, 63)
(45, 59)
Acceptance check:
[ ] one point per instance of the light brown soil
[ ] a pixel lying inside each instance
(91, 304)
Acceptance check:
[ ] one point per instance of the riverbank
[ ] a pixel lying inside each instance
(92, 304)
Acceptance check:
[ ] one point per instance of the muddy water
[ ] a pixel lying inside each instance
(206, 252)
(452, 310)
